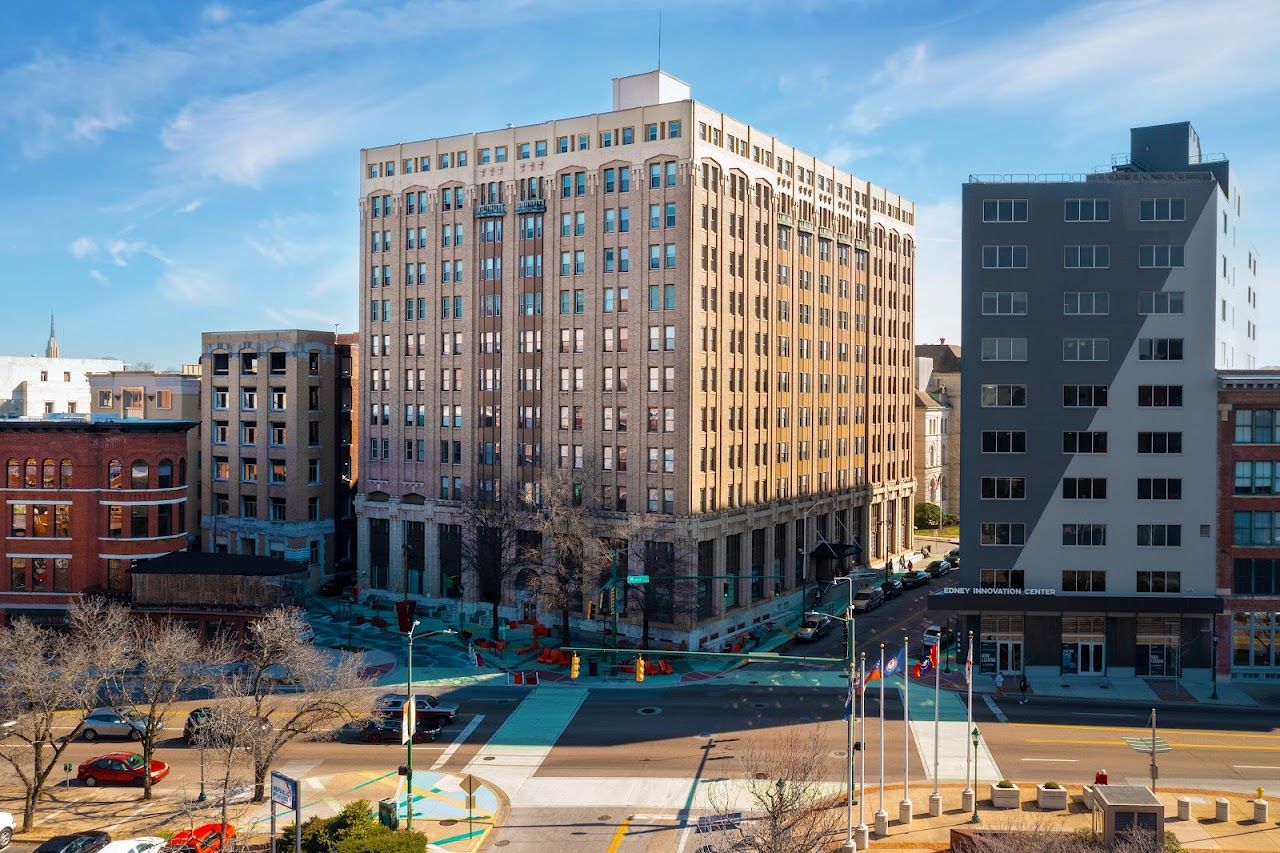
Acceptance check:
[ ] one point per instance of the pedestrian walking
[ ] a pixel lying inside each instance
(902, 564)
(999, 684)
(911, 565)
(1023, 687)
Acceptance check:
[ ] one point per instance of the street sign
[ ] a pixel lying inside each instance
(469, 783)
(284, 790)
(636, 579)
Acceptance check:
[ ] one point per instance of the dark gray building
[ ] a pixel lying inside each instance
(1096, 310)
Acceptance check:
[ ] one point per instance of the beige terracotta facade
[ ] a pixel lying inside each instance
(756, 342)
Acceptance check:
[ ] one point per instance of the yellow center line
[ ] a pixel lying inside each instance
(618, 836)
(1228, 746)
(1146, 730)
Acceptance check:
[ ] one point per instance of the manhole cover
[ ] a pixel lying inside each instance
(488, 758)
(449, 822)
(839, 753)
(502, 702)
(759, 706)
(503, 843)
(648, 711)
(604, 817)
(753, 682)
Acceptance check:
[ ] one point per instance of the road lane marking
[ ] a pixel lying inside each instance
(457, 742)
(1194, 732)
(1256, 766)
(1172, 744)
(995, 709)
(619, 836)
(1066, 760)
(1089, 714)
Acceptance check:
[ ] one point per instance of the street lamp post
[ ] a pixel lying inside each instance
(850, 664)
(1214, 664)
(203, 797)
(976, 736)
(409, 716)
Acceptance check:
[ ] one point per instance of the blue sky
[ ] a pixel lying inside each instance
(176, 167)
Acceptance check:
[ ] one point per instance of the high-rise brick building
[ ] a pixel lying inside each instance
(703, 326)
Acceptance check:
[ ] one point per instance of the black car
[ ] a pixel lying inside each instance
(391, 730)
(892, 588)
(911, 580)
(81, 842)
(937, 568)
(197, 720)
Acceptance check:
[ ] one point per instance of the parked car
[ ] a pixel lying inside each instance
(862, 576)
(813, 627)
(6, 829)
(937, 568)
(428, 707)
(892, 588)
(120, 768)
(200, 716)
(390, 729)
(209, 838)
(954, 556)
(867, 599)
(80, 842)
(113, 722)
(306, 633)
(150, 844)
(935, 633)
(911, 580)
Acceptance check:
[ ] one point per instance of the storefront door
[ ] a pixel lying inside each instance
(1009, 655)
(1001, 638)
(1090, 656)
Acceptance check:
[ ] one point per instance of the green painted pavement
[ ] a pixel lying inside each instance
(541, 717)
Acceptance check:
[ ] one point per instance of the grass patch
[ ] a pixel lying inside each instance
(947, 532)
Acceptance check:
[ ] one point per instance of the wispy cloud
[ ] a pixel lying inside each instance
(1158, 55)
(193, 287)
(83, 247)
(122, 251)
(216, 13)
(99, 278)
(92, 127)
(192, 206)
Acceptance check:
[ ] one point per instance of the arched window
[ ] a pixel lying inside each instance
(138, 472)
(182, 471)
(32, 475)
(65, 480)
(14, 474)
(48, 474)
(115, 475)
(164, 474)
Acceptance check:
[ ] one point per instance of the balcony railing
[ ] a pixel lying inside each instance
(486, 210)
(531, 205)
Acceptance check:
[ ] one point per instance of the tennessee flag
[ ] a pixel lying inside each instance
(926, 664)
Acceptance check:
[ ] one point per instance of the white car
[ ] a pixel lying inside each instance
(149, 844)
(6, 829)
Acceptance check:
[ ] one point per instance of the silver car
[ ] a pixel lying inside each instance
(114, 722)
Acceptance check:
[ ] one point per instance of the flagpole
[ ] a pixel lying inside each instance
(904, 807)
(968, 794)
(882, 817)
(860, 833)
(850, 648)
(935, 799)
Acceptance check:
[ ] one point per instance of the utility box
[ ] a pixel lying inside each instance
(388, 815)
(1129, 812)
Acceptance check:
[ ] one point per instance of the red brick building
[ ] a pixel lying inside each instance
(1248, 576)
(83, 500)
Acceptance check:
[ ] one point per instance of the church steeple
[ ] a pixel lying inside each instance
(51, 349)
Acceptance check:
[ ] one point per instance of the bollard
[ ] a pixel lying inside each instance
(966, 800)
(904, 812)
(1259, 811)
(1222, 810)
(935, 804)
(1184, 808)
(882, 823)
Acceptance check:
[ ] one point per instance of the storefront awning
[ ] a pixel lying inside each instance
(835, 551)
(1046, 601)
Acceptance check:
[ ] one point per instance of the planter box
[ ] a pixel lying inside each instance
(1006, 798)
(1086, 797)
(1054, 799)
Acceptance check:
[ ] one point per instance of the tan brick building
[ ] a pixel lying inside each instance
(704, 326)
(275, 411)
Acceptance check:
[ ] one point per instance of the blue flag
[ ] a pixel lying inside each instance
(848, 700)
(897, 663)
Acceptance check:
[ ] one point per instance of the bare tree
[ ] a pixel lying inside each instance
(229, 731)
(788, 809)
(573, 554)
(168, 663)
(324, 694)
(496, 545)
(52, 681)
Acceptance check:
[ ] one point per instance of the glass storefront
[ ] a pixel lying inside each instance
(1253, 640)
(1001, 650)
(1159, 647)
(1084, 645)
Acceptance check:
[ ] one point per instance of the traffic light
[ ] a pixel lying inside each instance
(573, 666)
(639, 670)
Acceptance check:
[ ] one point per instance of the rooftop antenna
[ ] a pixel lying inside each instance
(659, 39)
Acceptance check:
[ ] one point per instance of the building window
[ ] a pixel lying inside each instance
(1086, 303)
(1159, 442)
(1087, 210)
(1004, 441)
(1004, 349)
(1162, 210)
(1004, 303)
(1004, 396)
(1086, 257)
(1084, 396)
(1160, 257)
(1004, 257)
(1004, 488)
(1084, 442)
(1159, 581)
(1160, 396)
(1084, 581)
(1160, 302)
(1086, 349)
(1160, 349)
(1001, 578)
(1084, 535)
(1004, 210)
(1160, 535)
(1002, 533)
(1254, 528)
(1084, 488)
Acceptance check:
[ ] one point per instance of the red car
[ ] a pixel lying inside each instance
(120, 768)
(209, 838)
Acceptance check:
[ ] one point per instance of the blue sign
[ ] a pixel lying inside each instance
(284, 790)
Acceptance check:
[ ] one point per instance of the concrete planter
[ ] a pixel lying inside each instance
(1005, 798)
(1086, 797)
(1051, 799)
